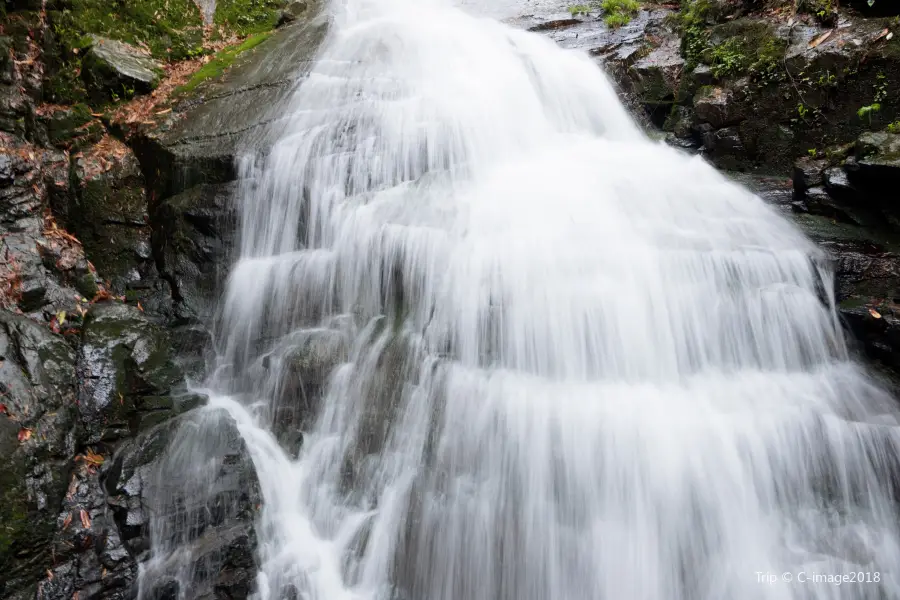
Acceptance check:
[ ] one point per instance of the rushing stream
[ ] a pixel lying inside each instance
(572, 363)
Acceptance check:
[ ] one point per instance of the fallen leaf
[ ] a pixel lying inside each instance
(821, 38)
(162, 112)
(884, 32)
(85, 519)
(49, 575)
(24, 434)
(874, 313)
(61, 317)
(3, 410)
(139, 307)
(67, 521)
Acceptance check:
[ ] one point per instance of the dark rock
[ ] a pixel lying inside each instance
(72, 128)
(820, 202)
(187, 491)
(717, 106)
(295, 10)
(39, 431)
(128, 378)
(194, 233)
(198, 141)
(300, 368)
(108, 212)
(47, 280)
(878, 158)
(656, 77)
(113, 69)
(809, 172)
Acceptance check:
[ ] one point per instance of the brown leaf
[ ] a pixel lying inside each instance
(882, 34)
(3, 409)
(67, 521)
(85, 519)
(49, 575)
(139, 307)
(874, 313)
(821, 38)
(24, 434)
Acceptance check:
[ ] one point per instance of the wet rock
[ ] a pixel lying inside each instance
(195, 233)
(39, 430)
(45, 267)
(185, 496)
(296, 9)
(113, 69)
(107, 210)
(302, 367)
(820, 201)
(90, 558)
(717, 106)
(198, 141)
(128, 378)
(878, 158)
(724, 146)
(69, 128)
(656, 77)
(809, 172)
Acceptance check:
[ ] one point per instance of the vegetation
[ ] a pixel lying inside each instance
(894, 127)
(246, 17)
(221, 61)
(619, 12)
(579, 9)
(866, 112)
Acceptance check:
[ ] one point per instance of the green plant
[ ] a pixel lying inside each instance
(894, 127)
(866, 111)
(579, 9)
(802, 111)
(812, 152)
(619, 12)
(881, 92)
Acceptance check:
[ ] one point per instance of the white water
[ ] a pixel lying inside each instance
(578, 364)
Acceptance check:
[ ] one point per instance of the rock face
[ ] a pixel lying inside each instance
(197, 142)
(193, 476)
(110, 261)
(39, 432)
(114, 69)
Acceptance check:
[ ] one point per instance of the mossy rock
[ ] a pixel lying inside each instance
(246, 17)
(114, 70)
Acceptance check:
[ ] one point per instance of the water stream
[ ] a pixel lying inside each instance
(572, 363)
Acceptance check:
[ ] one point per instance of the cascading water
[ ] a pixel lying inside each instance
(574, 364)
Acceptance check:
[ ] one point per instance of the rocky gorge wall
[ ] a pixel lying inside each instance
(119, 139)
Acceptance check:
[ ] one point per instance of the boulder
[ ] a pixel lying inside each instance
(656, 76)
(878, 159)
(185, 496)
(112, 69)
(128, 377)
(717, 106)
(39, 431)
(295, 9)
(809, 172)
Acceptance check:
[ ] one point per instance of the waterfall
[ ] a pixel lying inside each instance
(567, 362)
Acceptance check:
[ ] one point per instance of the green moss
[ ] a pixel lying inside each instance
(221, 61)
(169, 29)
(246, 17)
(579, 9)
